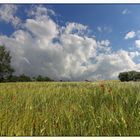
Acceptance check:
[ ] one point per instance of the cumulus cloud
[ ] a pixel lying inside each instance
(103, 46)
(42, 47)
(109, 65)
(134, 54)
(137, 43)
(130, 35)
(7, 14)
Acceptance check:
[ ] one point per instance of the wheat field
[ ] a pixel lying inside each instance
(104, 108)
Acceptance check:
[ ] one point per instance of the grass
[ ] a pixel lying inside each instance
(70, 109)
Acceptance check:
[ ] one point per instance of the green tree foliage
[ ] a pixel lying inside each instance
(5, 64)
(129, 76)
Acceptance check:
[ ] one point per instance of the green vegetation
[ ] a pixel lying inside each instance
(24, 78)
(70, 109)
(129, 76)
(5, 67)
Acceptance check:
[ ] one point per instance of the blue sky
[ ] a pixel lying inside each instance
(118, 24)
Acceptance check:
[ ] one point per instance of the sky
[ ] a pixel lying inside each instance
(73, 42)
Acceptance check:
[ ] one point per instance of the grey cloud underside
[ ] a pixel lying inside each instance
(42, 47)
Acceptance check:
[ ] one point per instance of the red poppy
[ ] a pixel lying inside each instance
(102, 85)
(110, 90)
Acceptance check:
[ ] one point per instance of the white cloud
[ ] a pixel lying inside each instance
(46, 48)
(7, 14)
(109, 65)
(105, 43)
(134, 54)
(125, 11)
(137, 43)
(103, 46)
(75, 28)
(130, 35)
(40, 11)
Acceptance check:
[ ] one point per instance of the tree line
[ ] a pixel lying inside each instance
(6, 71)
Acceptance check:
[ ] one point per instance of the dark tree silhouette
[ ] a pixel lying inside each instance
(5, 64)
(129, 76)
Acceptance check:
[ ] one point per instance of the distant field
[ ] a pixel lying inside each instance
(70, 109)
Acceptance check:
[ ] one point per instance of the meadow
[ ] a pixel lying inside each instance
(108, 108)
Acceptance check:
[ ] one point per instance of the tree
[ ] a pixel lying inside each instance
(129, 76)
(5, 64)
(39, 78)
(132, 75)
(123, 76)
(137, 76)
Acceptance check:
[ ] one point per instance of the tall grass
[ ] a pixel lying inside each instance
(70, 109)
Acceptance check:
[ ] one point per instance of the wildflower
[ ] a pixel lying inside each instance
(110, 90)
(102, 85)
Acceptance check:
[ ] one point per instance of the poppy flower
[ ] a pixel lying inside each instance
(110, 90)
